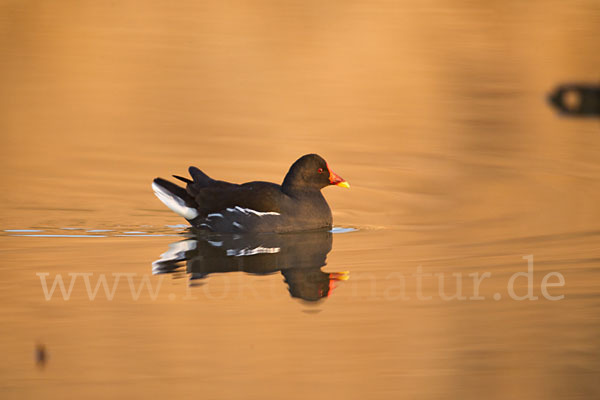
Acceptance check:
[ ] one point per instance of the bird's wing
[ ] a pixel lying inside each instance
(262, 197)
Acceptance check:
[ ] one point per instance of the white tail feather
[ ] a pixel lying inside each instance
(176, 204)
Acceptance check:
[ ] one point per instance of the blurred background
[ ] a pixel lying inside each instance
(435, 111)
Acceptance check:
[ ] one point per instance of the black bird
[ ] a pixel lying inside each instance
(297, 204)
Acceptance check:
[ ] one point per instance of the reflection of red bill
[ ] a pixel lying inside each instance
(337, 180)
(337, 276)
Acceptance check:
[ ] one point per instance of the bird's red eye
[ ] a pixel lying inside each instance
(320, 170)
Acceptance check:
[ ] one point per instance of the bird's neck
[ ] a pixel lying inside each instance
(298, 191)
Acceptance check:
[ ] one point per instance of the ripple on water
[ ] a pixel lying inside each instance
(21, 230)
(55, 236)
(340, 229)
(167, 231)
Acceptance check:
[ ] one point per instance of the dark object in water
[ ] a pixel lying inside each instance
(40, 355)
(577, 100)
(299, 257)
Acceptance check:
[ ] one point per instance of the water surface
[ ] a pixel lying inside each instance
(436, 114)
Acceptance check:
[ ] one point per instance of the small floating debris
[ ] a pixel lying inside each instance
(99, 230)
(41, 355)
(133, 232)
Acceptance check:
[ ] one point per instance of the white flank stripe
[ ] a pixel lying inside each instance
(176, 204)
(260, 214)
(247, 211)
(240, 209)
(215, 215)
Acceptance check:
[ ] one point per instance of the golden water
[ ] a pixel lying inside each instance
(434, 111)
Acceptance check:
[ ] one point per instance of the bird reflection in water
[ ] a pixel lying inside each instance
(298, 256)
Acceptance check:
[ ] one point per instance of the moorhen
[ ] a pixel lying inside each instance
(295, 205)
